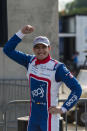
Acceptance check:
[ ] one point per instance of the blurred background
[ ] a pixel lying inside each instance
(73, 52)
(73, 33)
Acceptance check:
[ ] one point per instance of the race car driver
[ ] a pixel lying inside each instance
(45, 76)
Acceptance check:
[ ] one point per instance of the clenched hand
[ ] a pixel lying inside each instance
(27, 29)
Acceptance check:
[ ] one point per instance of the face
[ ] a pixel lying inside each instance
(41, 51)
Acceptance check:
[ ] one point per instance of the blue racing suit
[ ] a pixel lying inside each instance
(44, 81)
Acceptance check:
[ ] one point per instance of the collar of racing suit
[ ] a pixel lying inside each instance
(42, 61)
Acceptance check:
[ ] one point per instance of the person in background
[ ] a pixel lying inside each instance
(75, 60)
(45, 76)
(75, 63)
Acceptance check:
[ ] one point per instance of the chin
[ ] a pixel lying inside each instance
(41, 57)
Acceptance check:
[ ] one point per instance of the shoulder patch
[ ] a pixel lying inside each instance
(57, 64)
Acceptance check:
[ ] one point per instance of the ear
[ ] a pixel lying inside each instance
(33, 49)
(49, 47)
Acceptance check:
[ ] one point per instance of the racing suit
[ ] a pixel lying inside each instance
(44, 81)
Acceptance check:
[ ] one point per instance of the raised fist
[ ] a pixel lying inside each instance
(27, 29)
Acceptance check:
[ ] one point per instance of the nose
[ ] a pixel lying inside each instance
(40, 49)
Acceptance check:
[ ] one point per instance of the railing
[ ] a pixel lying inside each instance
(12, 89)
(17, 107)
(80, 110)
(19, 102)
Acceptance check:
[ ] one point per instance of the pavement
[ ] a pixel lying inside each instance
(72, 127)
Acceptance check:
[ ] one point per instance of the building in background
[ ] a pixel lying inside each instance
(73, 37)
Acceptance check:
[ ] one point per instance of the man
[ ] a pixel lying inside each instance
(45, 75)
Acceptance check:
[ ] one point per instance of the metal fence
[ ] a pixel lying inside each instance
(13, 104)
(12, 89)
(77, 116)
(20, 108)
(11, 125)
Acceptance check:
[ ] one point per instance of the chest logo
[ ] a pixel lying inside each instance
(38, 92)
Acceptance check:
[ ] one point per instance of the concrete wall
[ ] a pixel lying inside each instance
(43, 15)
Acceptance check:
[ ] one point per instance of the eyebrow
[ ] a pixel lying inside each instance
(40, 46)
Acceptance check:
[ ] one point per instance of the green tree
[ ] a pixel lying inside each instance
(77, 6)
(80, 3)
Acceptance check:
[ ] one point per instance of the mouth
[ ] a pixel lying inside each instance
(40, 54)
